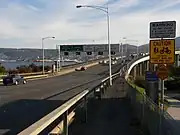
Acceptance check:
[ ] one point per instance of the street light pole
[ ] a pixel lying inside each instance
(43, 52)
(59, 54)
(137, 48)
(43, 55)
(125, 45)
(106, 10)
(110, 71)
(122, 51)
(94, 50)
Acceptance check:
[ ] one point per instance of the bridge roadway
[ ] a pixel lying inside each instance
(21, 106)
(112, 115)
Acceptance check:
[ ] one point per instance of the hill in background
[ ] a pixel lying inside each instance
(32, 54)
(142, 48)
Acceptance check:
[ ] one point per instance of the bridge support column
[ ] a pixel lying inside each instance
(65, 123)
(151, 67)
(138, 69)
(177, 60)
(138, 72)
(147, 66)
(141, 69)
(144, 67)
(155, 67)
(135, 71)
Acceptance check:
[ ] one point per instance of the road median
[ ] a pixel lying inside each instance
(62, 72)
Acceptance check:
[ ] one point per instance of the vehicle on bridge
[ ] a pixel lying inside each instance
(114, 58)
(14, 79)
(103, 62)
(113, 62)
(82, 68)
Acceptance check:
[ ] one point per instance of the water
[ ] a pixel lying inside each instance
(13, 65)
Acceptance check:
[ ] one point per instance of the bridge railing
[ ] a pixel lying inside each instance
(156, 119)
(65, 113)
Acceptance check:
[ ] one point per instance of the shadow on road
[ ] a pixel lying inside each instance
(108, 116)
(16, 116)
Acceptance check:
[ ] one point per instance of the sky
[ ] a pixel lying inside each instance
(23, 23)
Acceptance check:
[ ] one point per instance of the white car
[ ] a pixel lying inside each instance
(81, 68)
(113, 62)
(105, 61)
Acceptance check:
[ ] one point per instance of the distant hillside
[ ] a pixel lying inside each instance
(142, 48)
(11, 54)
(32, 54)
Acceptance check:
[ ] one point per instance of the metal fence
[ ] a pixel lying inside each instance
(157, 120)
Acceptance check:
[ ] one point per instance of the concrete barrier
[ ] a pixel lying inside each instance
(36, 76)
(62, 72)
(58, 130)
(44, 122)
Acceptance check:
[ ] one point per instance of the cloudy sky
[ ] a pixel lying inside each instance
(24, 22)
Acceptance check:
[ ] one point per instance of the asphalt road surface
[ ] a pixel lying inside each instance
(22, 105)
(111, 115)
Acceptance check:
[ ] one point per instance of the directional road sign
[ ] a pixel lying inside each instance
(71, 48)
(89, 48)
(166, 29)
(162, 51)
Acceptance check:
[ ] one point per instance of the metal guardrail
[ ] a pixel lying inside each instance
(39, 74)
(157, 120)
(63, 67)
(80, 99)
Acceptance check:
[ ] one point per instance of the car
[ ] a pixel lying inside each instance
(82, 68)
(14, 79)
(113, 62)
(114, 58)
(101, 62)
(105, 62)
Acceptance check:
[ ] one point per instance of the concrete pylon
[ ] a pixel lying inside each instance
(135, 71)
(177, 60)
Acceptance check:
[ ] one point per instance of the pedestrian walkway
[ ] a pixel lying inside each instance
(110, 115)
(174, 108)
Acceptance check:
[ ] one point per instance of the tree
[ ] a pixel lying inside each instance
(2, 69)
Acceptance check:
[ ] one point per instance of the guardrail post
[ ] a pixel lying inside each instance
(102, 89)
(104, 84)
(65, 123)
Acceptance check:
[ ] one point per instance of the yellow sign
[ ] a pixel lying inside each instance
(162, 51)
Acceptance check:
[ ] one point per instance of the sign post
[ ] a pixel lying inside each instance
(162, 51)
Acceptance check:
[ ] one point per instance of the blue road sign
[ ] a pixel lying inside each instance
(151, 76)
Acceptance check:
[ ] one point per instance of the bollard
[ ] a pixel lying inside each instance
(65, 123)
(60, 128)
(105, 87)
(102, 89)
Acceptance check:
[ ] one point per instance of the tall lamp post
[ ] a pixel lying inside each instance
(106, 10)
(43, 50)
(125, 45)
(58, 47)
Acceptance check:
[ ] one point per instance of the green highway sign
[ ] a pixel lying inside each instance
(71, 48)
